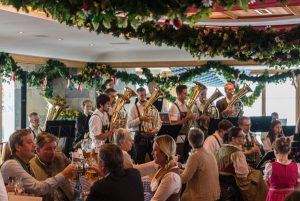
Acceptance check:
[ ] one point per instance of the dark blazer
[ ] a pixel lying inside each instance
(221, 105)
(82, 127)
(123, 187)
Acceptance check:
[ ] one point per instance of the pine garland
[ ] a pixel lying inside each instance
(94, 74)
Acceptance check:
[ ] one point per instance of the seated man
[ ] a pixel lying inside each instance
(23, 150)
(214, 142)
(232, 161)
(117, 183)
(47, 163)
(124, 140)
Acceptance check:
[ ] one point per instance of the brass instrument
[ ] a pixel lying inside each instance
(235, 104)
(151, 111)
(119, 116)
(55, 107)
(211, 110)
(198, 88)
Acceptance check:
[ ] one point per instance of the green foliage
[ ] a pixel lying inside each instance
(93, 75)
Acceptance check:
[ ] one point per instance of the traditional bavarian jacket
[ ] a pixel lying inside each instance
(43, 171)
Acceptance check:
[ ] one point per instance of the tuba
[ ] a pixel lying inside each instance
(198, 88)
(119, 116)
(151, 111)
(55, 107)
(235, 104)
(210, 110)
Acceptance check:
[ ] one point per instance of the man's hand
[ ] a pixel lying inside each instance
(69, 170)
(189, 116)
(152, 131)
(144, 118)
(228, 111)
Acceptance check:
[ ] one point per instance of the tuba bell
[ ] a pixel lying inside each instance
(197, 89)
(211, 110)
(55, 106)
(119, 116)
(235, 104)
(151, 111)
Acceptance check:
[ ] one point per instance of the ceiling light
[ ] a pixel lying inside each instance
(120, 43)
(263, 11)
(20, 32)
(60, 39)
(92, 45)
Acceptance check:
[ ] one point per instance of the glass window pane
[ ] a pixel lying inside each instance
(8, 110)
(281, 98)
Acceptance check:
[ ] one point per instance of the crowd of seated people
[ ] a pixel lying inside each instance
(45, 171)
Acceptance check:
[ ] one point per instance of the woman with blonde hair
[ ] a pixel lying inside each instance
(166, 183)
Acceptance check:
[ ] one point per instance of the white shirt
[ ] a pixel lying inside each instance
(170, 184)
(174, 113)
(3, 193)
(134, 120)
(211, 144)
(267, 145)
(97, 121)
(268, 169)
(144, 169)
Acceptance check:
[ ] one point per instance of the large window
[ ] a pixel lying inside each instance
(281, 98)
(8, 110)
(256, 108)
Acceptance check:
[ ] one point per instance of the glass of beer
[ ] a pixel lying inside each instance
(91, 175)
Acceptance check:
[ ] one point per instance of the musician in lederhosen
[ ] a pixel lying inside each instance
(231, 106)
(251, 148)
(178, 113)
(201, 119)
(99, 121)
(143, 140)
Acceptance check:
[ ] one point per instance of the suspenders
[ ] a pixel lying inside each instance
(182, 114)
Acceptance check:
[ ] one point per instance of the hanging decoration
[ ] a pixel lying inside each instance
(93, 75)
(159, 23)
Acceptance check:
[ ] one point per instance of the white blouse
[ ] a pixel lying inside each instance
(170, 184)
(268, 169)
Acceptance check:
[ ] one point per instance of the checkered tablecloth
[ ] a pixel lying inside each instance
(148, 194)
(84, 182)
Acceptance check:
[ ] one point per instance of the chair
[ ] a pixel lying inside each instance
(229, 188)
(4, 152)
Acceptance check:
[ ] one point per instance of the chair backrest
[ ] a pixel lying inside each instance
(4, 151)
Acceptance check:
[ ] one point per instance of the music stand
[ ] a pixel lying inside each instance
(267, 157)
(260, 124)
(172, 130)
(213, 124)
(288, 130)
(65, 131)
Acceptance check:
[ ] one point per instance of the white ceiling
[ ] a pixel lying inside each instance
(40, 38)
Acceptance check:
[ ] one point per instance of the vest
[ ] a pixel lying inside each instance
(64, 190)
(223, 157)
(175, 196)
